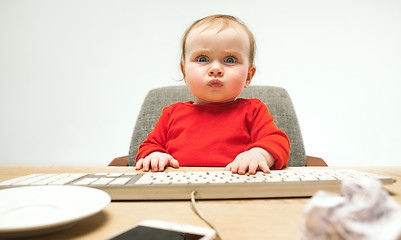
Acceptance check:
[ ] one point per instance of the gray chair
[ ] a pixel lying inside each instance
(277, 100)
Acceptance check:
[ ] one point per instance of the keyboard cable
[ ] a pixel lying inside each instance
(199, 213)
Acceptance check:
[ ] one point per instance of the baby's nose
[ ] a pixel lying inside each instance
(216, 71)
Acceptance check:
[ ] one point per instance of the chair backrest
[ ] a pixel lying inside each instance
(277, 100)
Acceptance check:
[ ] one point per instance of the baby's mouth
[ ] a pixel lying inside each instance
(215, 83)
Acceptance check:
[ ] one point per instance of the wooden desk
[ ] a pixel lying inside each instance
(236, 219)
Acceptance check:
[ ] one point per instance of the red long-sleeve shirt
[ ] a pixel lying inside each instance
(214, 134)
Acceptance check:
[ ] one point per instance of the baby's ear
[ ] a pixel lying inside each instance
(182, 69)
(251, 73)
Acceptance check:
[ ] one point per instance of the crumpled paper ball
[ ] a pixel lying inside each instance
(364, 212)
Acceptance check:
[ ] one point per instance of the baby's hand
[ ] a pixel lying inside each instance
(251, 160)
(157, 161)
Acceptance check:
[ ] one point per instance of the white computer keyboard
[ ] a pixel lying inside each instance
(297, 182)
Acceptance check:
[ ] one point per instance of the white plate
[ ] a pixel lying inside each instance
(34, 210)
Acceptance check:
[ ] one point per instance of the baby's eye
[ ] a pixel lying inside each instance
(202, 59)
(230, 60)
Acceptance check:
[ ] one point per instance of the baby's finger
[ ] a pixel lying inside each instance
(243, 167)
(163, 162)
(155, 164)
(264, 167)
(174, 163)
(253, 166)
(146, 163)
(138, 164)
(228, 167)
(234, 166)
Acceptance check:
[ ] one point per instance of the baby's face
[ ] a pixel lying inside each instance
(217, 67)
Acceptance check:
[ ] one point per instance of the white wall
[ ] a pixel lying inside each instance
(73, 74)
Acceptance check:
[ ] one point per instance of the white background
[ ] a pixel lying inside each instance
(73, 74)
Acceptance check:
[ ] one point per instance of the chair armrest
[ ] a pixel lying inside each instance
(120, 161)
(315, 162)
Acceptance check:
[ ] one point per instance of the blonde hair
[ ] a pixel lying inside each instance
(223, 22)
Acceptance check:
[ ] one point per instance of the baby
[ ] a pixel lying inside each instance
(217, 129)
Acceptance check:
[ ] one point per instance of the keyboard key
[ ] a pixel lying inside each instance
(85, 181)
(115, 174)
(102, 181)
(68, 178)
(120, 181)
(131, 174)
